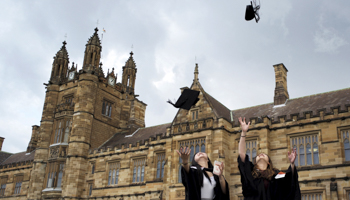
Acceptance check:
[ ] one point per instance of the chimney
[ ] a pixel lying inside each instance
(281, 91)
(1, 142)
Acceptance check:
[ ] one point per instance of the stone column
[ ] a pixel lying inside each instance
(79, 142)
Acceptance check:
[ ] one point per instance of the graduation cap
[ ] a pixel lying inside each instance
(251, 12)
(187, 99)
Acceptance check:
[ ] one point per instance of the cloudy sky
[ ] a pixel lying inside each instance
(235, 57)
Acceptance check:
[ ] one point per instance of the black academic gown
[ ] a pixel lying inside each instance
(193, 188)
(286, 188)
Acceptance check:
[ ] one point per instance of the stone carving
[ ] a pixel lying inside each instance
(54, 152)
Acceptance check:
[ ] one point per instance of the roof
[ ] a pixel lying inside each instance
(219, 108)
(314, 103)
(4, 155)
(140, 134)
(19, 157)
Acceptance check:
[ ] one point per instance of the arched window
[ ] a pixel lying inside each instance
(134, 177)
(110, 177)
(138, 173)
(66, 132)
(142, 172)
(347, 150)
(197, 148)
(315, 150)
(248, 153)
(58, 133)
(192, 153)
(203, 148)
(254, 153)
(308, 154)
(158, 169)
(116, 177)
(163, 164)
(302, 155)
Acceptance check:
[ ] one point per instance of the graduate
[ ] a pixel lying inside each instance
(198, 178)
(261, 181)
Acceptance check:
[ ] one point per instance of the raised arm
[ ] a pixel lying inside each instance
(184, 153)
(292, 156)
(241, 146)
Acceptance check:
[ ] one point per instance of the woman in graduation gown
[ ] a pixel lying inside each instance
(261, 181)
(199, 181)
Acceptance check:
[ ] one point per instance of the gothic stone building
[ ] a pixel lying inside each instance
(92, 142)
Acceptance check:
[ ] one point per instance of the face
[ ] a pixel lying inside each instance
(200, 155)
(262, 158)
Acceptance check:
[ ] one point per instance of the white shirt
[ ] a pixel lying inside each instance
(207, 191)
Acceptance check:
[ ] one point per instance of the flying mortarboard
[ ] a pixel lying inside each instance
(251, 11)
(187, 99)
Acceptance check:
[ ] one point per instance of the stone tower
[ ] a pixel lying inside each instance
(129, 75)
(58, 74)
(82, 110)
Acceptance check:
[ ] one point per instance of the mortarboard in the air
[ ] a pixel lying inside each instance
(252, 11)
(187, 99)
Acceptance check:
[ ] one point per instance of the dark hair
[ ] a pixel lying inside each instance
(199, 170)
(269, 172)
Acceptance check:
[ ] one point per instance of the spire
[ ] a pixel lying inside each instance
(129, 74)
(92, 53)
(130, 62)
(62, 53)
(94, 39)
(60, 65)
(196, 73)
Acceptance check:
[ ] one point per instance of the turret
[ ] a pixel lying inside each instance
(92, 51)
(60, 65)
(129, 75)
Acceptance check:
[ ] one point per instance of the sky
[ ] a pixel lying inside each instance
(235, 57)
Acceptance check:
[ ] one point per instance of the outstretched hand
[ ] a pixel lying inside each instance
(244, 125)
(292, 156)
(184, 153)
(221, 168)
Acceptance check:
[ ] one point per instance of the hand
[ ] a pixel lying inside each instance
(184, 153)
(221, 168)
(244, 125)
(292, 156)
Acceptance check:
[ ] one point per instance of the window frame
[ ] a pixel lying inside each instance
(3, 182)
(113, 172)
(17, 186)
(303, 139)
(59, 134)
(251, 144)
(344, 134)
(138, 169)
(159, 157)
(54, 169)
(107, 107)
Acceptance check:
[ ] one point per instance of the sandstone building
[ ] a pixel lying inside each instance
(92, 142)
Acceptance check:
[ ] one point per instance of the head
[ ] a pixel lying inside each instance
(262, 157)
(199, 157)
(269, 172)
